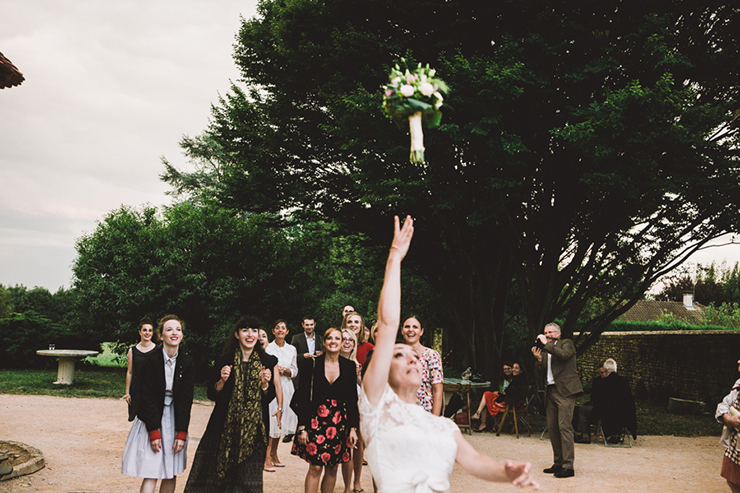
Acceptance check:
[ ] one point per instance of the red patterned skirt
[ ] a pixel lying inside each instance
(327, 436)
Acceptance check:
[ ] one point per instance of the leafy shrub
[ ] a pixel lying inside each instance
(22, 334)
(668, 323)
(726, 315)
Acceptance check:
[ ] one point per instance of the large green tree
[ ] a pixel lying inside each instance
(204, 263)
(585, 150)
(209, 264)
(6, 302)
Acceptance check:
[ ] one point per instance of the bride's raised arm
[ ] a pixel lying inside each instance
(389, 313)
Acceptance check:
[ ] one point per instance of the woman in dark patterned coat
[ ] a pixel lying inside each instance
(231, 454)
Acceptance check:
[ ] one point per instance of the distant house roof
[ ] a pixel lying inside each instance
(9, 75)
(646, 311)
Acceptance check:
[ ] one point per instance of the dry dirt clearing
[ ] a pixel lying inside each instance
(82, 441)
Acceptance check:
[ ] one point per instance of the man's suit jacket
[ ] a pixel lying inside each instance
(563, 367)
(301, 345)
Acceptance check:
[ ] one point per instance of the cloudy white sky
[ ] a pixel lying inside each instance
(110, 88)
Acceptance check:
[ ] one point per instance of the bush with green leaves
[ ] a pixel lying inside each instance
(725, 315)
(22, 334)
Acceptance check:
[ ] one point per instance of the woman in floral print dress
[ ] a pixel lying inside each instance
(430, 395)
(327, 413)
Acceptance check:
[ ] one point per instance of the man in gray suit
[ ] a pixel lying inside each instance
(563, 386)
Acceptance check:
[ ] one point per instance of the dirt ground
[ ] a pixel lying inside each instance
(82, 441)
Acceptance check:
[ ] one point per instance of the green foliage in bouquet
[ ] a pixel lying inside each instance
(410, 92)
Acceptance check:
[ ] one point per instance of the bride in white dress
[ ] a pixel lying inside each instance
(408, 449)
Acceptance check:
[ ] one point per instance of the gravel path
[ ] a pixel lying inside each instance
(82, 441)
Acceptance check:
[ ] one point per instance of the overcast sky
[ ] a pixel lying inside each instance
(110, 88)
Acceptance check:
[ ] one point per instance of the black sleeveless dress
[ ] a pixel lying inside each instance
(137, 361)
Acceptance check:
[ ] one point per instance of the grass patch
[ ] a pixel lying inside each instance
(89, 382)
(653, 418)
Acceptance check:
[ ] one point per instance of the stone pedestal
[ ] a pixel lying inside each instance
(66, 370)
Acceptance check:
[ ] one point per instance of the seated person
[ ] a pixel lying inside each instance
(612, 403)
(456, 401)
(493, 402)
(582, 414)
(507, 376)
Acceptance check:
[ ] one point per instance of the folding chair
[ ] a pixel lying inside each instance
(520, 412)
(621, 443)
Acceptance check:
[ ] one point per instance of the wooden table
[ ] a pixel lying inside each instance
(457, 385)
(66, 370)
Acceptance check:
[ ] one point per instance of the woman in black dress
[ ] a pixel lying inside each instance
(135, 359)
(327, 413)
(231, 454)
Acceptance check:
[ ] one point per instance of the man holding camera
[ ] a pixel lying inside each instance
(556, 360)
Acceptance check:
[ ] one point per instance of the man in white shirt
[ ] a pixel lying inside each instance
(556, 361)
(308, 344)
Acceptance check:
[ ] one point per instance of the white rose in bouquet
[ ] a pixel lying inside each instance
(407, 90)
(426, 89)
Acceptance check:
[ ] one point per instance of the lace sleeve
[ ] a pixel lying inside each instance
(388, 413)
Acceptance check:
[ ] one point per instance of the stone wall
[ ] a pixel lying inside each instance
(696, 364)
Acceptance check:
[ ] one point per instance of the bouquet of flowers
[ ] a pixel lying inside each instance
(415, 96)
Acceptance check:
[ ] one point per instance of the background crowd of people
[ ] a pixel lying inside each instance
(306, 391)
(351, 391)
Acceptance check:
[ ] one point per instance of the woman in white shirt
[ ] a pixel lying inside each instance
(288, 369)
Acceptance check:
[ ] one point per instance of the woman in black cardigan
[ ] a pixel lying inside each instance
(231, 454)
(516, 391)
(327, 413)
(156, 447)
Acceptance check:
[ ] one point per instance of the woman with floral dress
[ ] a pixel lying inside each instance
(431, 393)
(327, 413)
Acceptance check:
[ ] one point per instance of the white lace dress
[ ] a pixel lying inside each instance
(408, 449)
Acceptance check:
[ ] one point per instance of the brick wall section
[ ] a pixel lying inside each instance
(695, 364)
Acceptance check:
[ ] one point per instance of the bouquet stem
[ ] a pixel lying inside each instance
(417, 138)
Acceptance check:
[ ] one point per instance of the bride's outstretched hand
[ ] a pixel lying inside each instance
(402, 235)
(518, 473)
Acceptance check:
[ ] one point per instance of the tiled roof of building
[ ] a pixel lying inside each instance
(9, 75)
(646, 311)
